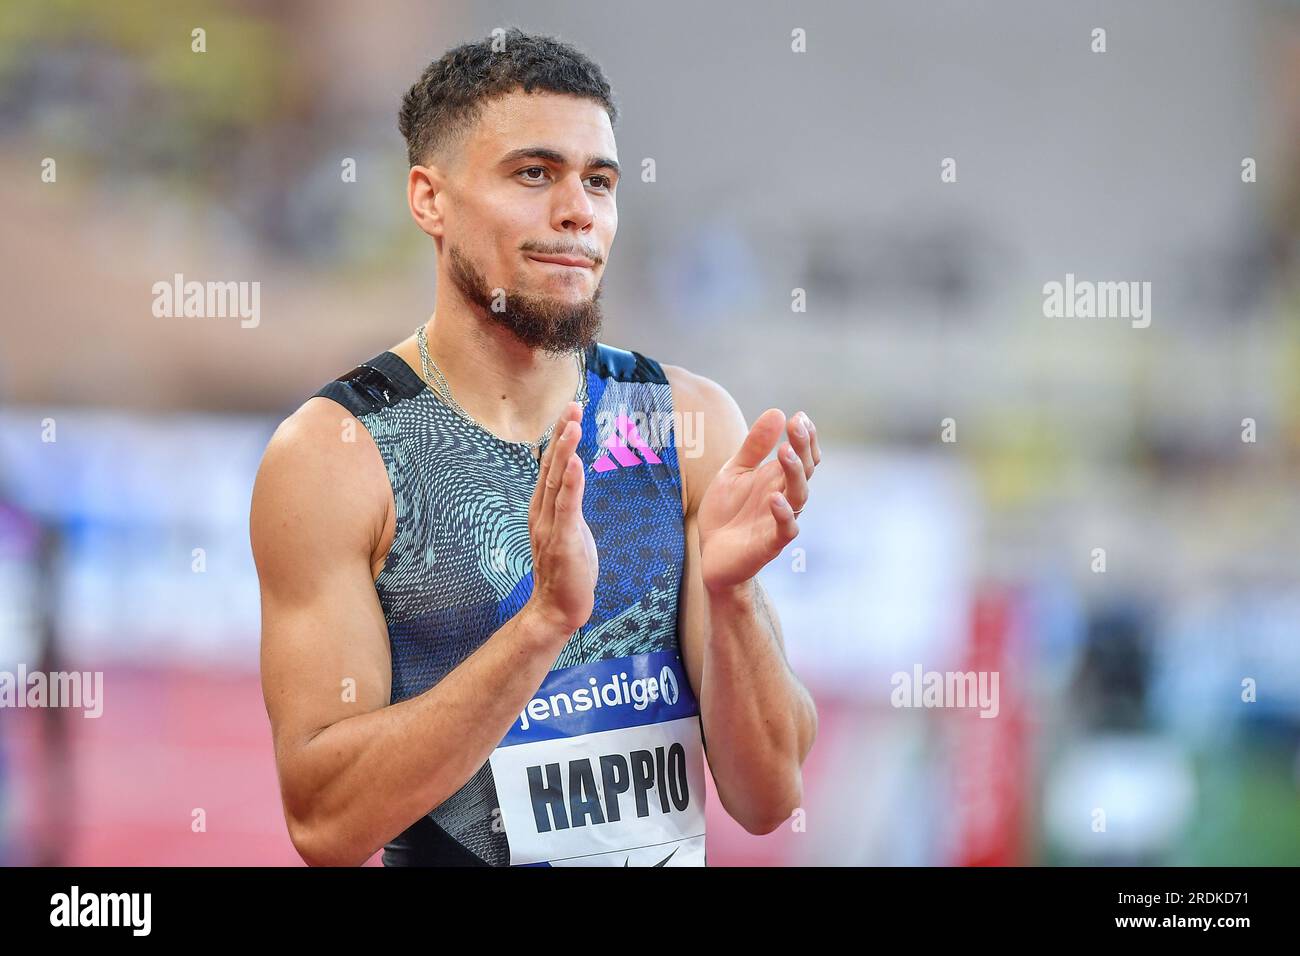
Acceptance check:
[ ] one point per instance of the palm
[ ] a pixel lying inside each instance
(747, 514)
(593, 562)
(738, 534)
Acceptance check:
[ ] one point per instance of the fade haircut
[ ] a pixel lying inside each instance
(448, 99)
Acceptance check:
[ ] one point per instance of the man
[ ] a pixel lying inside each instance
(487, 640)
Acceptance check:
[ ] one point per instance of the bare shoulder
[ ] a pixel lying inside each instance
(712, 428)
(321, 484)
(322, 440)
(696, 393)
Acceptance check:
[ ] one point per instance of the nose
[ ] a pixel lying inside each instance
(573, 211)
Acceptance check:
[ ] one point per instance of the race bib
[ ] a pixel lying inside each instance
(605, 767)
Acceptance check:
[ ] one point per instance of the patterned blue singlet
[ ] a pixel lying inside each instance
(604, 765)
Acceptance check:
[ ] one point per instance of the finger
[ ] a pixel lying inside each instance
(796, 481)
(801, 441)
(535, 502)
(787, 526)
(816, 448)
(564, 445)
(762, 436)
(568, 502)
(571, 412)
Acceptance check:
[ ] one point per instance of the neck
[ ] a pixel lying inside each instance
(510, 389)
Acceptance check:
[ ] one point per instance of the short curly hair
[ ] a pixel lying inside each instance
(447, 99)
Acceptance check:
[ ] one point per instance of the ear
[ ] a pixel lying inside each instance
(424, 197)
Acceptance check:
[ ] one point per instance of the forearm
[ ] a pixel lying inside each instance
(759, 720)
(361, 781)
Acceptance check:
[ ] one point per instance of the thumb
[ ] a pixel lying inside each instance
(763, 434)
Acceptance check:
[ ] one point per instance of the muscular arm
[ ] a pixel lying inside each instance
(355, 771)
(759, 721)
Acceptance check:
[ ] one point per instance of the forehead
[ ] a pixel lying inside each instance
(570, 124)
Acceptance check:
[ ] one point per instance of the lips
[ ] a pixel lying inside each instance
(575, 261)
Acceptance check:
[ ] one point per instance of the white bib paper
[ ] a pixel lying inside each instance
(605, 767)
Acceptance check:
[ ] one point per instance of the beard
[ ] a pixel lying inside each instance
(538, 321)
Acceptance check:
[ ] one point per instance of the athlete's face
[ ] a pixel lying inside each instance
(528, 215)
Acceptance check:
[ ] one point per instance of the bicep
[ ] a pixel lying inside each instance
(325, 654)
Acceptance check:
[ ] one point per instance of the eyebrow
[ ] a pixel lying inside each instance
(558, 158)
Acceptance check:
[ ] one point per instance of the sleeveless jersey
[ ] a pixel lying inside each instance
(604, 765)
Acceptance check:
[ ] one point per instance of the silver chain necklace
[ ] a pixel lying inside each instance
(443, 390)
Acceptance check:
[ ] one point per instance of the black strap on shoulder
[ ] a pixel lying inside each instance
(623, 365)
(386, 379)
(383, 381)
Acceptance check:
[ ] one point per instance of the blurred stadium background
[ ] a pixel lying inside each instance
(775, 170)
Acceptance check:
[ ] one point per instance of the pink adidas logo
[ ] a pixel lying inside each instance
(623, 436)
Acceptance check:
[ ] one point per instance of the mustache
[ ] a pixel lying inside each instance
(585, 252)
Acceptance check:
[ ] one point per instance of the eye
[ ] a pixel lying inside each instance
(540, 169)
(606, 182)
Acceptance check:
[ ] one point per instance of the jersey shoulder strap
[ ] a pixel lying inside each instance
(386, 379)
(623, 365)
(379, 383)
